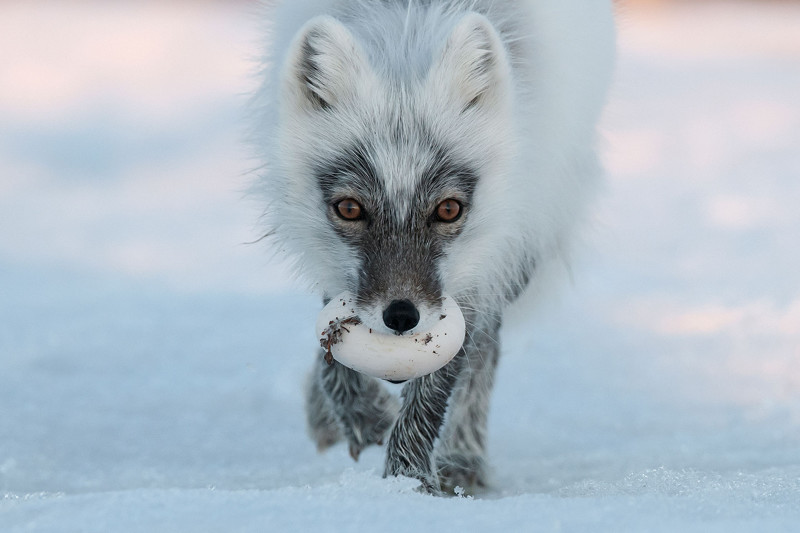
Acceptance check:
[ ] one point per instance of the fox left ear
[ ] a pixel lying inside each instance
(473, 65)
(324, 64)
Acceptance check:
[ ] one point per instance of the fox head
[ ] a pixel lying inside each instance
(393, 165)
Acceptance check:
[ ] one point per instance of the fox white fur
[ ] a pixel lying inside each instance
(401, 104)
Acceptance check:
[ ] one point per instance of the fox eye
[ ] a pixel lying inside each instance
(349, 209)
(448, 211)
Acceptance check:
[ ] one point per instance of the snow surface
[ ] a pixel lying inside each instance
(150, 362)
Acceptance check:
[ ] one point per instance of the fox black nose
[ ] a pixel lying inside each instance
(401, 315)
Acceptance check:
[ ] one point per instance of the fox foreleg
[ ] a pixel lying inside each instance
(410, 449)
(342, 402)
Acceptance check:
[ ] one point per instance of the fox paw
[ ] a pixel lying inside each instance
(429, 481)
(468, 473)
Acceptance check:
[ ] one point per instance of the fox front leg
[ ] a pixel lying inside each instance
(461, 451)
(363, 408)
(323, 426)
(410, 449)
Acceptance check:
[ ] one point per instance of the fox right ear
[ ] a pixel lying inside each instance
(324, 63)
(473, 66)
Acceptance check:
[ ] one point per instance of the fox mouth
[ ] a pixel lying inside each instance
(388, 354)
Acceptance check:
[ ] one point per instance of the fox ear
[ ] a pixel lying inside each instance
(324, 64)
(473, 65)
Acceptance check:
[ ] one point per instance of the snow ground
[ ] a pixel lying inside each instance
(150, 364)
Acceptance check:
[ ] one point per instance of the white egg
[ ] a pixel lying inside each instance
(389, 356)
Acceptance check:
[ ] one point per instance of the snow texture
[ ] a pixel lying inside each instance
(151, 363)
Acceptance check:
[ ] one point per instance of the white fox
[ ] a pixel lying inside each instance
(420, 147)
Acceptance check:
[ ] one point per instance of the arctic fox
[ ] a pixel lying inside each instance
(420, 147)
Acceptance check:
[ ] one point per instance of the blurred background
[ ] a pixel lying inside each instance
(122, 173)
(120, 141)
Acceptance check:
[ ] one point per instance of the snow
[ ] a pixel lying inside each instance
(151, 363)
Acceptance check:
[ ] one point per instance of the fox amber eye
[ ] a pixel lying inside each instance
(349, 209)
(448, 211)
